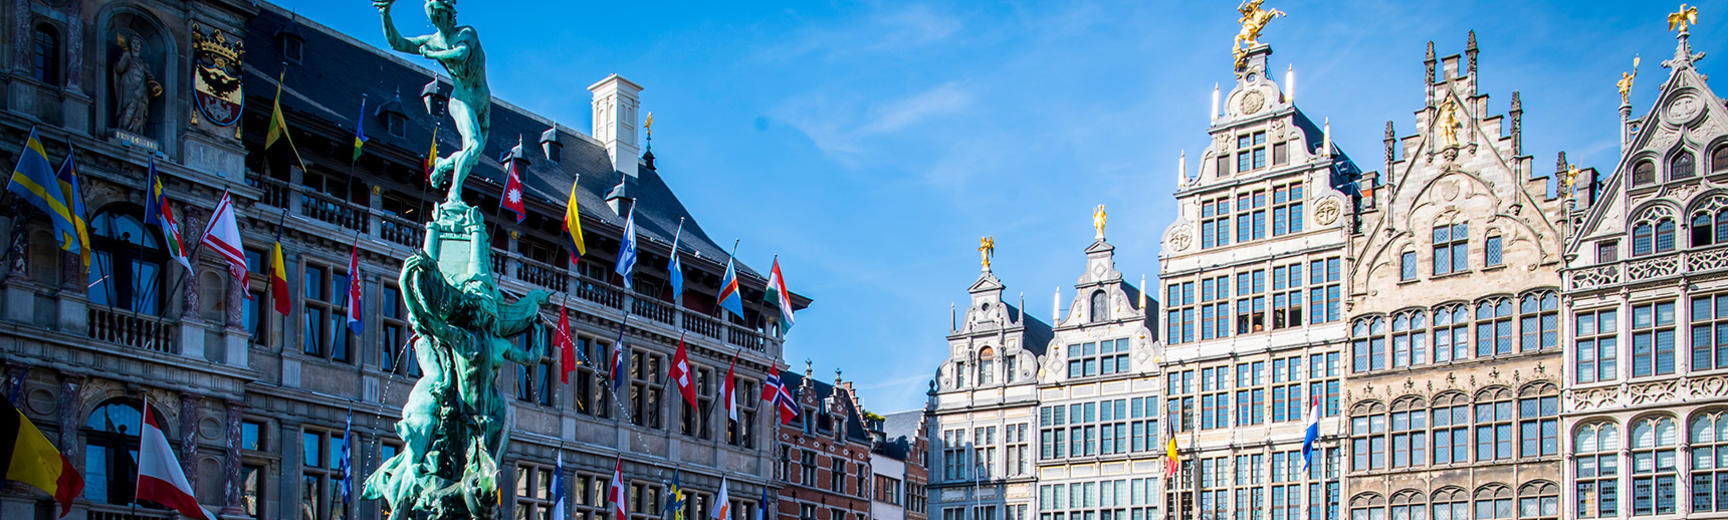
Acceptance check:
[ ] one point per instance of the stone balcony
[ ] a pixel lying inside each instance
(1647, 268)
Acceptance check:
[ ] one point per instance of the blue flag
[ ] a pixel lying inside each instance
(344, 468)
(674, 268)
(618, 373)
(762, 507)
(34, 181)
(558, 488)
(729, 298)
(627, 250)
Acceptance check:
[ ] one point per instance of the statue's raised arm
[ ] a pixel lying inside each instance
(457, 48)
(391, 35)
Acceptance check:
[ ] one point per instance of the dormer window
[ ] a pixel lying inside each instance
(396, 124)
(986, 366)
(1681, 166)
(292, 44)
(1250, 152)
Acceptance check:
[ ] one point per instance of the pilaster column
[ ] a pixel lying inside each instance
(71, 400)
(189, 437)
(231, 493)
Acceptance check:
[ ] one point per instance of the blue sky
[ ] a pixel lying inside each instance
(870, 144)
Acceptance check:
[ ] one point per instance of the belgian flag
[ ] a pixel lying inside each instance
(26, 456)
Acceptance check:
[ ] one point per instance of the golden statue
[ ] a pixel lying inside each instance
(1098, 219)
(648, 125)
(1625, 82)
(986, 249)
(1449, 122)
(1253, 20)
(1678, 20)
(1571, 179)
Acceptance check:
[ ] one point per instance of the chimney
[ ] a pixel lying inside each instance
(615, 102)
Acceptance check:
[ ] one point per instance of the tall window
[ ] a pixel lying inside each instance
(1664, 235)
(1450, 244)
(807, 467)
(534, 492)
(984, 452)
(741, 432)
(953, 456)
(1287, 209)
(589, 381)
(647, 385)
(395, 354)
(1323, 291)
(1703, 230)
(1287, 402)
(1323, 381)
(1451, 333)
(1215, 222)
(1597, 467)
(837, 475)
(1251, 215)
(1368, 438)
(1494, 327)
(324, 329)
(1653, 466)
(1409, 435)
(1251, 398)
(1015, 449)
(1251, 151)
(1644, 173)
(1407, 266)
(1215, 307)
(45, 58)
(1215, 398)
(1681, 166)
(1287, 296)
(1709, 332)
(1492, 255)
(1653, 339)
(1539, 321)
(1368, 345)
(1409, 339)
(1494, 424)
(126, 269)
(111, 452)
(320, 484)
(534, 381)
(1709, 444)
(1539, 421)
(1598, 344)
(1100, 306)
(986, 366)
(1251, 301)
(1643, 238)
(1451, 414)
(1180, 321)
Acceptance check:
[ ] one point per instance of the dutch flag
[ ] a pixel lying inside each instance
(1313, 432)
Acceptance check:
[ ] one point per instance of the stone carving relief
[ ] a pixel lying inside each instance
(1652, 268)
(1712, 386)
(1710, 259)
(1592, 398)
(1683, 109)
(1653, 392)
(1181, 238)
(1252, 102)
(1328, 211)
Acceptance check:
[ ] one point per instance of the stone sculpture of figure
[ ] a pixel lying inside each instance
(134, 85)
(1253, 20)
(458, 50)
(1449, 122)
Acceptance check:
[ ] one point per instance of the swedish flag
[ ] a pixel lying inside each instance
(34, 181)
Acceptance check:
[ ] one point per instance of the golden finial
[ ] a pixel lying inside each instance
(1625, 83)
(1253, 20)
(986, 249)
(649, 124)
(1098, 219)
(1686, 16)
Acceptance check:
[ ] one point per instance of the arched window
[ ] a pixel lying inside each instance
(1494, 424)
(1408, 505)
(1719, 159)
(1664, 235)
(1451, 333)
(1409, 434)
(111, 452)
(1409, 339)
(1709, 438)
(986, 366)
(1702, 233)
(1539, 421)
(126, 270)
(1539, 500)
(45, 56)
(1451, 504)
(1494, 327)
(1368, 345)
(1368, 437)
(1643, 239)
(1367, 506)
(1654, 466)
(1451, 415)
(1681, 166)
(1539, 321)
(1493, 501)
(1100, 306)
(1644, 173)
(1597, 468)
(1722, 226)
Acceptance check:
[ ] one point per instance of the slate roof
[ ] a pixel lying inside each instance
(854, 418)
(900, 431)
(336, 70)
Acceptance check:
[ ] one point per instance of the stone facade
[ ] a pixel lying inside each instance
(1451, 398)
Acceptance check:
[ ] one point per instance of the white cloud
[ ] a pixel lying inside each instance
(844, 127)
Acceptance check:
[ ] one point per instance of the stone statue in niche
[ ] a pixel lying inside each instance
(134, 85)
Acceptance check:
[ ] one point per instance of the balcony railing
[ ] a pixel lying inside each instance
(130, 329)
(401, 232)
(321, 207)
(1648, 268)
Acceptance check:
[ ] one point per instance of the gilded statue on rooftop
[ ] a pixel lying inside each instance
(1099, 218)
(1686, 16)
(1253, 20)
(1450, 123)
(986, 249)
(1625, 83)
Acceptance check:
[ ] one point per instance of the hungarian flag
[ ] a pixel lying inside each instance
(354, 323)
(778, 296)
(728, 388)
(359, 130)
(27, 457)
(279, 125)
(278, 273)
(157, 213)
(616, 494)
(512, 197)
(222, 234)
(729, 298)
(160, 478)
(566, 347)
(679, 373)
(432, 156)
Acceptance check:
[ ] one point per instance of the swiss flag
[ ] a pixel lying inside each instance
(679, 373)
(619, 509)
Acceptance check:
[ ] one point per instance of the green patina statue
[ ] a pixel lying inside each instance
(453, 425)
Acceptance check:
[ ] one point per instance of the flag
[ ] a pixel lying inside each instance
(354, 298)
(512, 197)
(779, 297)
(160, 478)
(157, 213)
(1170, 447)
(27, 457)
(278, 273)
(74, 195)
(729, 298)
(359, 130)
(723, 511)
(674, 499)
(730, 387)
(1312, 433)
(627, 249)
(679, 373)
(566, 347)
(34, 181)
(344, 467)
(674, 268)
(618, 356)
(775, 391)
(558, 488)
(573, 224)
(432, 156)
(222, 234)
(279, 125)
(762, 507)
(616, 493)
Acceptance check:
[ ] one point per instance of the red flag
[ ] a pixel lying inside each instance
(679, 373)
(512, 198)
(566, 347)
(279, 280)
(160, 478)
(730, 387)
(617, 492)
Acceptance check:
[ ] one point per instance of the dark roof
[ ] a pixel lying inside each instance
(900, 432)
(338, 70)
(854, 417)
(1038, 334)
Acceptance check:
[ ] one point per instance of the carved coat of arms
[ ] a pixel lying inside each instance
(216, 76)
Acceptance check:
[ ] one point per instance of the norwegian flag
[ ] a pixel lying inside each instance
(773, 390)
(512, 198)
(679, 373)
(619, 509)
(354, 322)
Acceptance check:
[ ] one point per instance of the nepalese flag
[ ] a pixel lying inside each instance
(222, 234)
(729, 298)
(157, 213)
(616, 493)
(354, 323)
(778, 296)
(558, 488)
(627, 249)
(566, 347)
(674, 268)
(345, 467)
(728, 388)
(679, 373)
(512, 197)
(1312, 433)
(160, 478)
(618, 372)
(359, 130)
